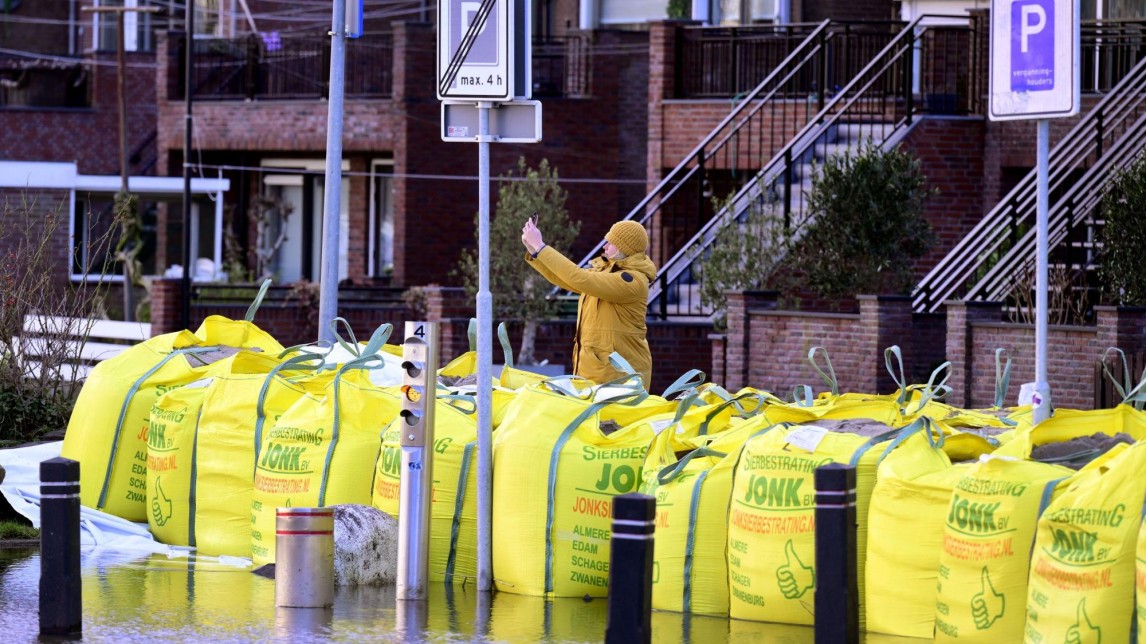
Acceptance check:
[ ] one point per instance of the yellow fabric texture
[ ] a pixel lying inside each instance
(692, 517)
(322, 451)
(1073, 423)
(985, 557)
(1140, 578)
(610, 312)
(453, 507)
(1083, 563)
(171, 462)
(229, 432)
(107, 432)
(771, 529)
(905, 527)
(555, 474)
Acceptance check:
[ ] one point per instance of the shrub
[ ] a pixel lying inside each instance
(744, 255)
(519, 292)
(36, 398)
(866, 224)
(1123, 257)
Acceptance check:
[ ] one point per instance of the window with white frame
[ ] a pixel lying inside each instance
(381, 218)
(95, 233)
(299, 199)
(137, 30)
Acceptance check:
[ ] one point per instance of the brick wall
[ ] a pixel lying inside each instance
(28, 219)
(88, 136)
(287, 321)
(768, 348)
(676, 347)
(817, 10)
(950, 152)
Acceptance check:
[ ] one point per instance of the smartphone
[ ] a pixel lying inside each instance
(533, 217)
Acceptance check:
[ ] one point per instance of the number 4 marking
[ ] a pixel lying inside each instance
(420, 331)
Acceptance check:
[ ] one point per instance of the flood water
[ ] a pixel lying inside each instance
(157, 599)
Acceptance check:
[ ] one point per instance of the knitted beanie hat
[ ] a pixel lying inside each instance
(629, 237)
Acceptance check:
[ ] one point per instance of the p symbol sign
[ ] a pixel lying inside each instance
(1032, 46)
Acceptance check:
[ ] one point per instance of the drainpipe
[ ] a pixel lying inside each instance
(587, 17)
(702, 11)
(71, 27)
(783, 12)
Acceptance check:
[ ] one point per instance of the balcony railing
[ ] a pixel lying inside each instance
(273, 66)
(724, 62)
(298, 67)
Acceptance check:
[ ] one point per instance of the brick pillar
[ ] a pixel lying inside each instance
(885, 320)
(1121, 326)
(739, 335)
(166, 306)
(452, 308)
(413, 95)
(960, 344)
(719, 357)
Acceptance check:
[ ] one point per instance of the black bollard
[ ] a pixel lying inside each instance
(61, 605)
(631, 569)
(837, 588)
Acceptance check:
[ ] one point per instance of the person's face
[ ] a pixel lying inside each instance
(611, 250)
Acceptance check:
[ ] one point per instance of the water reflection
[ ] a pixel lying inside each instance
(154, 598)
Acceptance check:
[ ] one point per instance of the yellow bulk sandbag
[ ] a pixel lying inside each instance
(692, 522)
(108, 429)
(107, 432)
(555, 474)
(905, 529)
(1082, 566)
(322, 451)
(453, 508)
(1140, 578)
(239, 403)
(171, 463)
(985, 556)
(1067, 424)
(771, 529)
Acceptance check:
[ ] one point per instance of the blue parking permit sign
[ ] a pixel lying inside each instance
(1032, 46)
(1034, 59)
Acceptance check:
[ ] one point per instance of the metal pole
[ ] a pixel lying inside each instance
(188, 88)
(837, 584)
(331, 222)
(416, 418)
(121, 89)
(1042, 397)
(631, 569)
(61, 594)
(485, 365)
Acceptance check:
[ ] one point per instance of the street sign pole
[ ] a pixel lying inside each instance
(1042, 405)
(1035, 75)
(331, 212)
(484, 57)
(485, 364)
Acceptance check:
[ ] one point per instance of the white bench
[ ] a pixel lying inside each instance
(65, 337)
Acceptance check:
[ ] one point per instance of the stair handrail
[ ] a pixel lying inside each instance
(798, 145)
(683, 169)
(953, 271)
(1065, 212)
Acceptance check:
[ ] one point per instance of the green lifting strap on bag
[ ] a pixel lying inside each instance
(830, 375)
(1131, 394)
(1002, 378)
(258, 301)
(687, 381)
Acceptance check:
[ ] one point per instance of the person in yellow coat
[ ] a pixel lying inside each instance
(614, 298)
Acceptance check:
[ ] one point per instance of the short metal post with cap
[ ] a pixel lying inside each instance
(836, 576)
(61, 595)
(631, 569)
(416, 420)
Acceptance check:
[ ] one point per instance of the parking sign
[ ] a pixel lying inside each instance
(475, 49)
(1034, 59)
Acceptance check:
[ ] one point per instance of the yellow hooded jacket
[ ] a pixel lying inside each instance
(610, 313)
